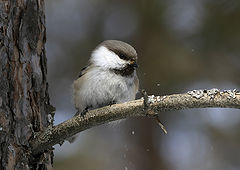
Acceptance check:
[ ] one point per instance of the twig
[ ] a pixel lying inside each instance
(145, 99)
(146, 104)
(160, 124)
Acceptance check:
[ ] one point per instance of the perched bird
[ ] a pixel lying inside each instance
(110, 77)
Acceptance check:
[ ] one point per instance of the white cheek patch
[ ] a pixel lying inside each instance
(105, 58)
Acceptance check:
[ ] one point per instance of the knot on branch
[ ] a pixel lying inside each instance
(147, 100)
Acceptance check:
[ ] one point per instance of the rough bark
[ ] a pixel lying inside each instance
(24, 101)
(148, 107)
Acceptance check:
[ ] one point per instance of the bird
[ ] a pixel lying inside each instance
(110, 77)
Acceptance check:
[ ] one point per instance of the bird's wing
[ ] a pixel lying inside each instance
(136, 82)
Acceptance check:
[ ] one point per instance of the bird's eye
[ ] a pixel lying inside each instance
(122, 56)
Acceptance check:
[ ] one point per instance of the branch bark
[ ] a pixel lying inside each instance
(193, 99)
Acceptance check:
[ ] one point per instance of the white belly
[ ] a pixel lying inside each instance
(102, 88)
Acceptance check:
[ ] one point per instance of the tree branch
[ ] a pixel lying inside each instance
(157, 104)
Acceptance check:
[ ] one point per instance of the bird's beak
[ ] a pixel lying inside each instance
(133, 63)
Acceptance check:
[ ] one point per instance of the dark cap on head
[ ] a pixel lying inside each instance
(122, 49)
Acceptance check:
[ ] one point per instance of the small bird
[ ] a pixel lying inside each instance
(109, 78)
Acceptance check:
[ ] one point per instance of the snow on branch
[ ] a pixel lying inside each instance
(148, 106)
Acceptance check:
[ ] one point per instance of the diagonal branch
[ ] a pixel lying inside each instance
(157, 104)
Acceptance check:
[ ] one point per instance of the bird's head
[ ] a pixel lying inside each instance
(115, 55)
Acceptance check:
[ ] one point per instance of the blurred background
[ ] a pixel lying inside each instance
(182, 45)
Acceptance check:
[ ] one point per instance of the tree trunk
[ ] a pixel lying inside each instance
(24, 100)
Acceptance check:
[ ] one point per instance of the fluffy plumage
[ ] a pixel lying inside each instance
(109, 78)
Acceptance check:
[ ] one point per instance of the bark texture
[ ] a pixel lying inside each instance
(24, 100)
